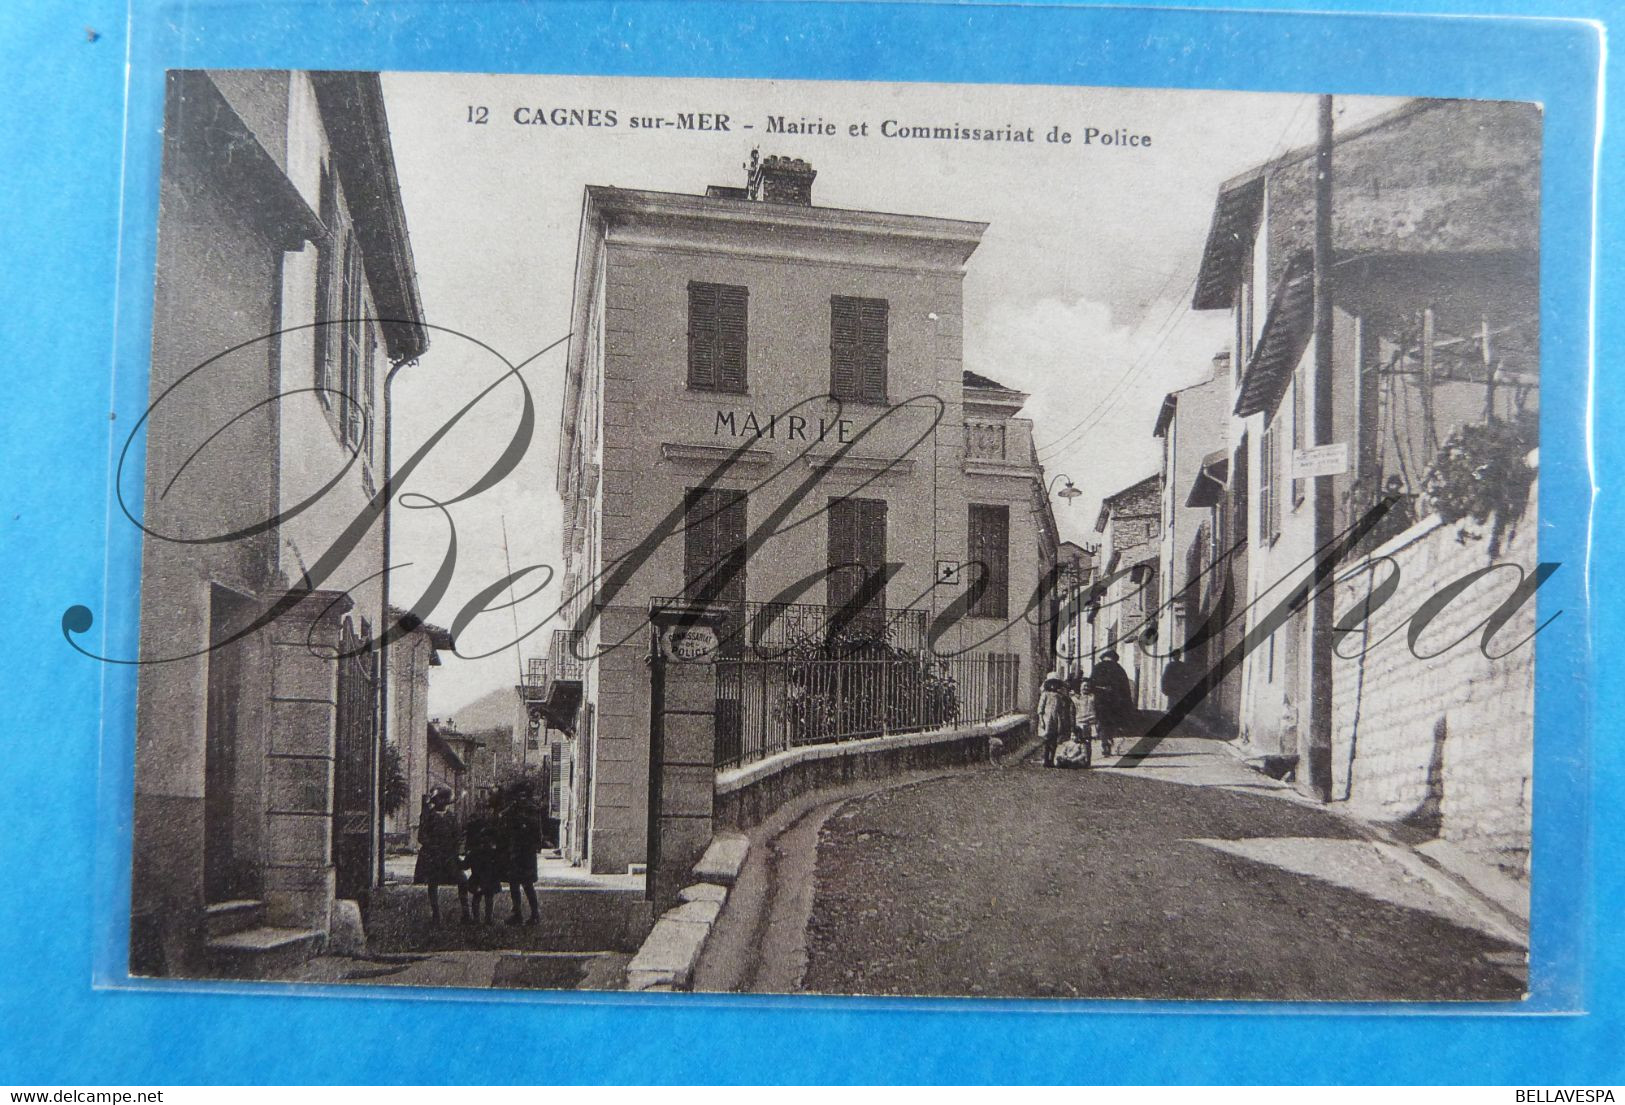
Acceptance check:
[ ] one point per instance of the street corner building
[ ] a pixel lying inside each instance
(1431, 344)
(285, 291)
(746, 359)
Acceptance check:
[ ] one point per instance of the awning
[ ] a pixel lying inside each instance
(1209, 486)
(1170, 406)
(1285, 337)
(1229, 241)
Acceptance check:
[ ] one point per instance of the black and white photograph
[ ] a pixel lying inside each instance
(814, 537)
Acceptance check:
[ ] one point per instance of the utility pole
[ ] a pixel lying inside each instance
(1323, 608)
(518, 659)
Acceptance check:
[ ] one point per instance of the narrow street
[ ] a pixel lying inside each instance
(1185, 876)
(589, 927)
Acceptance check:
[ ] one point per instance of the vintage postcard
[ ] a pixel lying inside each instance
(856, 538)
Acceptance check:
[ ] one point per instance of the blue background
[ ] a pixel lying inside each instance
(70, 276)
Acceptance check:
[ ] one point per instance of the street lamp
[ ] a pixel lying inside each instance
(1070, 491)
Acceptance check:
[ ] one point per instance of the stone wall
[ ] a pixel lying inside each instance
(748, 795)
(1445, 743)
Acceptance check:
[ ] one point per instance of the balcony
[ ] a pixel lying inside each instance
(985, 439)
(551, 686)
(562, 662)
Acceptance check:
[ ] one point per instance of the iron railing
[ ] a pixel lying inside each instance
(562, 662)
(779, 630)
(765, 706)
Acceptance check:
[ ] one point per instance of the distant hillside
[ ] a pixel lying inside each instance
(496, 708)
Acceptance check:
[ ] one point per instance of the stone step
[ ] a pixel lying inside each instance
(262, 951)
(225, 918)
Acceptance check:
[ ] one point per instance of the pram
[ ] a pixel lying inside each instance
(1078, 749)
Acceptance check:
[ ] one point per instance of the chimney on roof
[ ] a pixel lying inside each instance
(786, 180)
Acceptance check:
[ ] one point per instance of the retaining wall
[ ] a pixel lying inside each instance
(1442, 743)
(748, 795)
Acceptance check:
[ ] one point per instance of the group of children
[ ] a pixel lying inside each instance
(499, 844)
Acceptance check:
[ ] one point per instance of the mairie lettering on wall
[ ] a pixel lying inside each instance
(789, 427)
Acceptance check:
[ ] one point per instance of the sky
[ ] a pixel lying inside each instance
(1078, 295)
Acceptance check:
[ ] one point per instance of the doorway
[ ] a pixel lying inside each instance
(228, 870)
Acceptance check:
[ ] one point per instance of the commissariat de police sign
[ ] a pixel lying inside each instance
(688, 643)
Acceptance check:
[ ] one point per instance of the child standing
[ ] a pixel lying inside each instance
(521, 830)
(438, 861)
(483, 857)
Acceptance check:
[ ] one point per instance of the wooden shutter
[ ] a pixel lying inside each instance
(325, 271)
(368, 390)
(699, 542)
(732, 323)
(989, 546)
(1300, 418)
(857, 548)
(714, 546)
(703, 336)
(718, 316)
(872, 543)
(555, 788)
(731, 545)
(350, 355)
(1266, 481)
(842, 547)
(1238, 494)
(872, 323)
(857, 341)
(843, 347)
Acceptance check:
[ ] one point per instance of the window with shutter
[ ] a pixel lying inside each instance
(368, 388)
(718, 338)
(714, 546)
(327, 248)
(350, 359)
(857, 550)
(858, 335)
(1268, 485)
(1238, 487)
(989, 556)
(556, 779)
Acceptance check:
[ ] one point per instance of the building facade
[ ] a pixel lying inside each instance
(1191, 426)
(411, 657)
(1434, 289)
(744, 360)
(281, 239)
(1129, 591)
(1074, 640)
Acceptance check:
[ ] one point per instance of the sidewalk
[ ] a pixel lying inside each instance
(1433, 875)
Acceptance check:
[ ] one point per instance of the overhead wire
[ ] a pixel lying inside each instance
(1166, 329)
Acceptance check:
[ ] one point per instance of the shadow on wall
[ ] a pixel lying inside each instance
(1428, 816)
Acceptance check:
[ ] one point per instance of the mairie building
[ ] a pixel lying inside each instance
(766, 405)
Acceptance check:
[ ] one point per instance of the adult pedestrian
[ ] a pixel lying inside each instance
(1057, 715)
(1115, 712)
(439, 863)
(1179, 678)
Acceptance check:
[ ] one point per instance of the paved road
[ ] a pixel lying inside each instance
(1186, 876)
